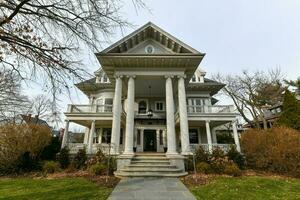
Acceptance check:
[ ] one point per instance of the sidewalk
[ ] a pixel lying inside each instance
(151, 188)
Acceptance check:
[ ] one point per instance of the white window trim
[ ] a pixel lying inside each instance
(163, 106)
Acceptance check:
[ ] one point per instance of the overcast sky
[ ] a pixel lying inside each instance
(234, 34)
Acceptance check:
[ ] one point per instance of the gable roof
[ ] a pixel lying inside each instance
(150, 31)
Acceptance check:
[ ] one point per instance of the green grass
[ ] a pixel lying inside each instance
(67, 188)
(246, 188)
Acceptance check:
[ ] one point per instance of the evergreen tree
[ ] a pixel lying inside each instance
(290, 115)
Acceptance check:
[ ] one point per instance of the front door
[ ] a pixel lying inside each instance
(149, 140)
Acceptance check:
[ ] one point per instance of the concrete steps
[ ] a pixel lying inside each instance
(150, 165)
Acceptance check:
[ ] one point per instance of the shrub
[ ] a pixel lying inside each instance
(236, 157)
(203, 167)
(201, 155)
(98, 169)
(99, 157)
(80, 158)
(64, 157)
(22, 143)
(50, 167)
(189, 164)
(51, 150)
(232, 169)
(275, 150)
(217, 153)
(218, 164)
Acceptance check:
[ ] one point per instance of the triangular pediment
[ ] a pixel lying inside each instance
(153, 36)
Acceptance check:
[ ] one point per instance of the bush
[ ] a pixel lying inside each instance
(276, 150)
(80, 158)
(21, 145)
(99, 157)
(64, 158)
(217, 153)
(50, 167)
(218, 164)
(98, 169)
(232, 169)
(203, 167)
(189, 164)
(51, 150)
(236, 157)
(201, 155)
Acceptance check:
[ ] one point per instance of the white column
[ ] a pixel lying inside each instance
(86, 136)
(117, 110)
(164, 138)
(236, 136)
(214, 135)
(66, 135)
(91, 136)
(208, 134)
(157, 139)
(129, 117)
(184, 127)
(171, 138)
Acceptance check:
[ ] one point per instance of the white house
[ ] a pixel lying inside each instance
(150, 104)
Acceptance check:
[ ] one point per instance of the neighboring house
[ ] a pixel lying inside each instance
(25, 119)
(29, 119)
(150, 96)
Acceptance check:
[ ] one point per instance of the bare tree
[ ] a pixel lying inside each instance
(44, 108)
(12, 102)
(252, 92)
(39, 38)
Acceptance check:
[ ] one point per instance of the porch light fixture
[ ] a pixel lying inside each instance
(149, 112)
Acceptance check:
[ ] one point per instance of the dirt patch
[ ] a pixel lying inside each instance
(196, 179)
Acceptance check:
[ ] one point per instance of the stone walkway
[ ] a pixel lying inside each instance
(151, 188)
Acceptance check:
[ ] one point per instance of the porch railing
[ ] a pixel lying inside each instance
(90, 108)
(210, 109)
(224, 147)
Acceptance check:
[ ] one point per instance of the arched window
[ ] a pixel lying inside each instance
(142, 107)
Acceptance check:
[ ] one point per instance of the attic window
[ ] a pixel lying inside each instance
(149, 49)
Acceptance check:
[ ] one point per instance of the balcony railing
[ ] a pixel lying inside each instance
(210, 109)
(224, 147)
(90, 109)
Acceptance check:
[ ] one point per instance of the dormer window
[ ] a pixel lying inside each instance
(194, 78)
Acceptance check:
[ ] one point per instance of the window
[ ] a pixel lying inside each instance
(193, 135)
(99, 102)
(159, 106)
(142, 107)
(106, 135)
(194, 78)
(104, 79)
(196, 105)
(108, 105)
(96, 136)
(149, 49)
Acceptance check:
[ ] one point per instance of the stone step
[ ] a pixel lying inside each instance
(152, 165)
(150, 169)
(150, 154)
(149, 158)
(149, 174)
(151, 162)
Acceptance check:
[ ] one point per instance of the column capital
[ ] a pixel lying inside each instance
(207, 121)
(131, 76)
(118, 76)
(181, 76)
(67, 120)
(233, 121)
(169, 76)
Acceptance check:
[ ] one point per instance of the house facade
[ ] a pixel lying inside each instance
(150, 97)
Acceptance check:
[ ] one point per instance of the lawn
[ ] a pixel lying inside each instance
(246, 188)
(56, 189)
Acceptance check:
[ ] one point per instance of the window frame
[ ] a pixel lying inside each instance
(163, 106)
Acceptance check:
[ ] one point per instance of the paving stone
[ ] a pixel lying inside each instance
(151, 189)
